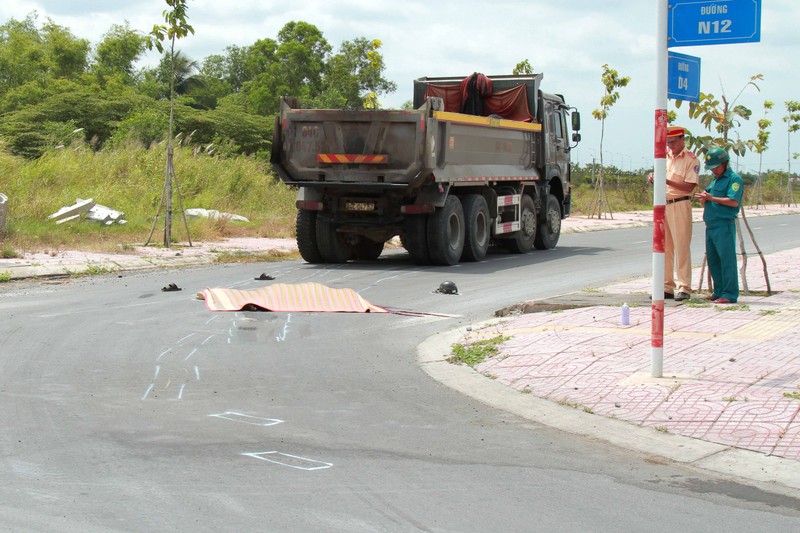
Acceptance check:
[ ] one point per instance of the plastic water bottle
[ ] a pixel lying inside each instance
(626, 315)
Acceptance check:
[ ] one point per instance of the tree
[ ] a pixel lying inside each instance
(611, 82)
(177, 27)
(523, 67)
(118, 52)
(291, 66)
(792, 120)
(721, 120)
(760, 145)
(354, 77)
(28, 54)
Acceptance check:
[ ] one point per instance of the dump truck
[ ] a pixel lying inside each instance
(478, 161)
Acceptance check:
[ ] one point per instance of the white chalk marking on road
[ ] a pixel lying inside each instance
(148, 391)
(186, 337)
(212, 318)
(180, 393)
(248, 419)
(158, 369)
(207, 339)
(162, 354)
(282, 336)
(292, 461)
(197, 372)
(190, 354)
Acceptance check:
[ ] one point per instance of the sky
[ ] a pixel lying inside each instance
(568, 41)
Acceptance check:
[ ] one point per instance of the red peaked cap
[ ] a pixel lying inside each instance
(675, 131)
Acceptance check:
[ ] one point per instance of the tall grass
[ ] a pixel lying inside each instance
(130, 179)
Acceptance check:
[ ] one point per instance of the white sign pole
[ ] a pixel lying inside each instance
(659, 196)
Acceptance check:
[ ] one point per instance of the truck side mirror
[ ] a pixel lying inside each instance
(576, 121)
(576, 138)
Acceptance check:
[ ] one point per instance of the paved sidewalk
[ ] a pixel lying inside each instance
(731, 373)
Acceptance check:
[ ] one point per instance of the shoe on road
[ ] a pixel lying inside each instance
(681, 296)
(723, 301)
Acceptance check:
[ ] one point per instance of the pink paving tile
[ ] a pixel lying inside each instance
(566, 367)
(789, 444)
(779, 410)
(595, 382)
(688, 409)
(756, 392)
(631, 403)
(759, 436)
(786, 377)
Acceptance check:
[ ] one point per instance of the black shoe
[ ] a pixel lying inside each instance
(667, 296)
(681, 296)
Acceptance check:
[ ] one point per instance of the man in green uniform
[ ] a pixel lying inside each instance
(721, 202)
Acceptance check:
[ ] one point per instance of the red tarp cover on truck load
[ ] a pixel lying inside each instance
(511, 104)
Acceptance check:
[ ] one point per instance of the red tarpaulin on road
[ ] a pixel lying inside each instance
(283, 297)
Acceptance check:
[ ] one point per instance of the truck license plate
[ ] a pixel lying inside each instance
(359, 206)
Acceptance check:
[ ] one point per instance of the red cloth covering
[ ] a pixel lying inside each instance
(511, 104)
(289, 298)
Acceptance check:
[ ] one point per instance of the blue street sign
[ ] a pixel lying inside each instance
(683, 77)
(695, 23)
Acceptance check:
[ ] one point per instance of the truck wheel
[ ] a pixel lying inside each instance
(332, 245)
(550, 229)
(367, 250)
(306, 229)
(415, 238)
(477, 232)
(446, 233)
(522, 242)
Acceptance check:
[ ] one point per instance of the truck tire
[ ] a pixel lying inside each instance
(446, 233)
(477, 232)
(332, 245)
(550, 227)
(306, 229)
(367, 250)
(415, 238)
(523, 240)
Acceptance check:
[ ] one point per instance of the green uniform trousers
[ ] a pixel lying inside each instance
(721, 254)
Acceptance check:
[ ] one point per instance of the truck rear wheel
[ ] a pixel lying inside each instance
(367, 250)
(477, 232)
(550, 229)
(522, 242)
(415, 238)
(306, 230)
(332, 245)
(446, 233)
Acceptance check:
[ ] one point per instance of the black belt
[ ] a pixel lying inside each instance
(682, 198)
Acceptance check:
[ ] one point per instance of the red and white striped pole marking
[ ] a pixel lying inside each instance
(659, 196)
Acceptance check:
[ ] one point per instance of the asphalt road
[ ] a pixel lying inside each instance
(127, 408)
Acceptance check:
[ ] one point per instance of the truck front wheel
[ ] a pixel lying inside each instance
(332, 245)
(522, 242)
(476, 220)
(550, 229)
(446, 233)
(306, 230)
